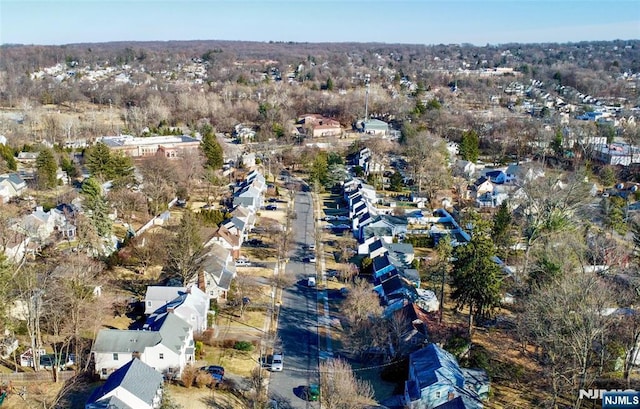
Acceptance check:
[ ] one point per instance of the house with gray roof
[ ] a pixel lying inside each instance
(11, 185)
(167, 346)
(188, 303)
(135, 385)
(436, 378)
(216, 272)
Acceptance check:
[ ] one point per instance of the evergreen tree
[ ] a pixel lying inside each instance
(395, 182)
(7, 154)
(47, 169)
(96, 204)
(445, 251)
(185, 248)
(212, 151)
(476, 277)
(98, 161)
(470, 146)
(501, 230)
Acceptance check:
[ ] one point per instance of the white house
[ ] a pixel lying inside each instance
(190, 304)
(167, 347)
(11, 185)
(216, 272)
(135, 385)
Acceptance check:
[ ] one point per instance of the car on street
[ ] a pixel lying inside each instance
(312, 392)
(276, 363)
(309, 259)
(311, 281)
(311, 247)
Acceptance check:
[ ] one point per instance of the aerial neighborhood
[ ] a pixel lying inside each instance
(221, 224)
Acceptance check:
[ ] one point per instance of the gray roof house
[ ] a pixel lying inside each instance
(135, 385)
(435, 378)
(216, 272)
(188, 303)
(11, 185)
(167, 347)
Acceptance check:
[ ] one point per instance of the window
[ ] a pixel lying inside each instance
(148, 303)
(161, 356)
(437, 394)
(104, 371)
(115, 357)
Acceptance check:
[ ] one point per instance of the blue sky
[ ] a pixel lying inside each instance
(414, 22)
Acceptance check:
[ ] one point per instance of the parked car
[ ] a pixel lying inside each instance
(276, 363)
(243, 263)
(312, 392)
(343, 218)
(272, 200)
(311, 281)
(329, 218)
(312, 247)
(271, 207)
(309, 259)
(217, 372)
(341, 226)
(255, 243)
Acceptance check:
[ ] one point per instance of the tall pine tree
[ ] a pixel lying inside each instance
(47, 169)
(212, 151)
(476, 278)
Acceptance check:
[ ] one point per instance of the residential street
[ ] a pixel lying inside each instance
(298, 321)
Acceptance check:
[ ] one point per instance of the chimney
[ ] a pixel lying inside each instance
(451, 396)
(170, 310)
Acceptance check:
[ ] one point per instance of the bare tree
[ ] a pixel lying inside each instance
(566, 320)
(341, 389)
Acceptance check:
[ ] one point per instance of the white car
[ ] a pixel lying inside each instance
(276, 363)
(311, 282)
(243, 263)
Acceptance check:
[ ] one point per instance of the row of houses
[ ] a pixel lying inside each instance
(435, 380)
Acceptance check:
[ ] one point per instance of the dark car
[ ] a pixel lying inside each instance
(217, 372)
(272, 200)
(271, 207)
(312, 392)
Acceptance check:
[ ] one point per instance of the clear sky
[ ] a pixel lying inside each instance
(414, 22)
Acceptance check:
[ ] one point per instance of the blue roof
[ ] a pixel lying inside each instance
(433, 364)
(138, 378)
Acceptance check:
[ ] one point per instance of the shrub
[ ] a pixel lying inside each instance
(199, 349)
(203, 379)
(243, 346)
(457, 345)
(189, 375)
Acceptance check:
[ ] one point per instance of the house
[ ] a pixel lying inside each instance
(167, 346)
(135, 385)
(217, 271)
(157, 296)
(373, 247)
(481, 186)
(227, 239)
(496, 176)
(11, 185)
(464, 168)
(249, 196)
(382, 268)
(246, 215)
(412, 324)
(190, 304)
(435, 378)
(386, 227)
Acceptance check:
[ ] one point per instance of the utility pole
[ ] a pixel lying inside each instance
(367, 80)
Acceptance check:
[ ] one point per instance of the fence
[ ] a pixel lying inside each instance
(35, 376)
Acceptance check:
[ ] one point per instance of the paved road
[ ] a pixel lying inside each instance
(298, 318)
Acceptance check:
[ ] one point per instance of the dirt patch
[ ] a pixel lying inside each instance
(203, 398)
